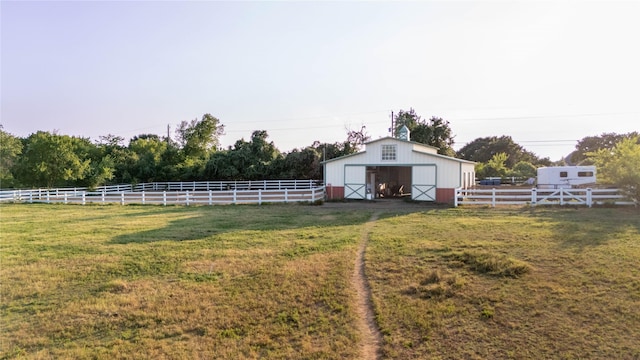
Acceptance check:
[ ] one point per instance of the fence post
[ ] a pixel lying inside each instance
(589, 197)
(493, 197)
(31, 197)
(313, 194)
(210, 196)
(65, 198)
(534, 196)
(142, 194)
(164, 198)
(561, 197)
(234, 195)
(103, 196)
(286, 195)
(48, 200)
(455, 197)
(122, 198)
(84, 198)
(186, 198)
(259, 196)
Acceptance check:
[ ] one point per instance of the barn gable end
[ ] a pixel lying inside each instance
(393, 167)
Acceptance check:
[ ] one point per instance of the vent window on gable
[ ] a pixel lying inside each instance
(389, 152)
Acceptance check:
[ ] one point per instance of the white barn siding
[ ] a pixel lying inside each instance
(444, 173)
(423, 183)
(334, 174)
(355, 185)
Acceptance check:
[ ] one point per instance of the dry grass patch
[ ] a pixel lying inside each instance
(516, 283)
(201, 282)
(484, 262)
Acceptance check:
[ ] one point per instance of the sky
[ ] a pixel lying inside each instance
(545, 73)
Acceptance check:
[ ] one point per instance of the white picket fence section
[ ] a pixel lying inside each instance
(535, 197)
(228, 185)
(175, 193)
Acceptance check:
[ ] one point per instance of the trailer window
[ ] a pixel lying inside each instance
(585, 173)
(563, 174)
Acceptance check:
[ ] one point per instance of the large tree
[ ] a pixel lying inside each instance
(592, 144)
(483, 149)
(198, 137)
(144, 160)
(620, 165)
(51, 160)
(435, 131)
(300, 164)
(247, 160)
(495, 167)
(10, 150)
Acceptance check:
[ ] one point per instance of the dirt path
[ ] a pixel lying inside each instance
(371, 337)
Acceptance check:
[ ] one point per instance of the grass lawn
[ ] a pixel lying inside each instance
(224, 282)
(274, 281)
(524, 284)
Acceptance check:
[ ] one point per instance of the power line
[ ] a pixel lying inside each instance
(542, 116)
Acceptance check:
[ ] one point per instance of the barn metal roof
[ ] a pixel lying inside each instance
(401, 141)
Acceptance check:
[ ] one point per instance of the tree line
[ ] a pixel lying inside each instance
(48, 159)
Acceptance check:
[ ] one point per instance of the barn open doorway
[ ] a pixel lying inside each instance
(388, 181)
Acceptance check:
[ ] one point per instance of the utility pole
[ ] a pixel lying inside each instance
(392, 129)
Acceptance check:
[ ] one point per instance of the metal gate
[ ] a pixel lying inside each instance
(423, 182)
(355, 186)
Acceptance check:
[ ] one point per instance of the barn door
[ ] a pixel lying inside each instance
(423, 183)
(355, 186)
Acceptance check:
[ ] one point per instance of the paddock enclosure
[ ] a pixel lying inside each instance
(179, 193)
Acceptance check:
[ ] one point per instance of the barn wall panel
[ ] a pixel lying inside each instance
(335, 192)
(445, 196)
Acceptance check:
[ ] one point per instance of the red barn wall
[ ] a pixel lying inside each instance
(335, 192)
(445, 196)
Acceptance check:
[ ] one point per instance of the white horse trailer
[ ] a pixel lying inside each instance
(563, 177)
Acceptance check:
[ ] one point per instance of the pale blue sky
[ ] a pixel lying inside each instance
(305, 71)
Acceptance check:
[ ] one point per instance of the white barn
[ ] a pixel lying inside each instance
(390, 166)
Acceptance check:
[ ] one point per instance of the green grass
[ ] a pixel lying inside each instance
(151, 282)
(515, 283)
(244, 282)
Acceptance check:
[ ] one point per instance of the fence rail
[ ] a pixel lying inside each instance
(536, 197)
(184, 193)
(176, 197)
(228, 185)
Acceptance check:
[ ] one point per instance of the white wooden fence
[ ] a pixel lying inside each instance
(535, 197)
(228, 185)
(271, 191)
